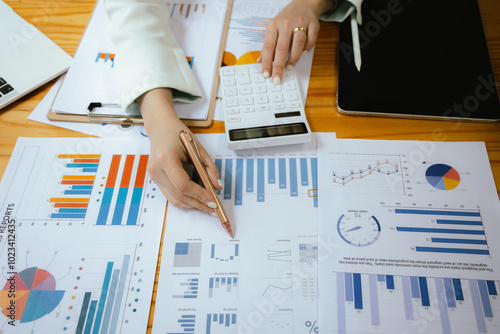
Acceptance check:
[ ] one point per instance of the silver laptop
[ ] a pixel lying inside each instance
(28, 58)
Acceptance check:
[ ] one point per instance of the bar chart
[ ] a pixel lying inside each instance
(121, 191)
(101, 312)
(252, 29)
(223, 287)
(449, 231)
(221, 323)
(185, 10)
(396, 303)
(189, 288)
(224, 252)
(186, 324)
(75, 187)
(259, 179)
(105, 57)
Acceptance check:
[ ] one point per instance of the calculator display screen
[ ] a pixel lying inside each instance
(267, 131)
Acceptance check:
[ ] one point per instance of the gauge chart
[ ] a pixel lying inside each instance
(358, 228)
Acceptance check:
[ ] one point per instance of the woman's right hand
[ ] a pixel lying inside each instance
(168, 154)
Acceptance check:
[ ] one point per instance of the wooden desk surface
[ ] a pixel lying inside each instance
(64, 22)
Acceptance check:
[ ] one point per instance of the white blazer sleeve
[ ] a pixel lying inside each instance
(148, 55)
(342, 9)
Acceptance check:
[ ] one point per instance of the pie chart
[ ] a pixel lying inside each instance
(442, 177)
(32, 292)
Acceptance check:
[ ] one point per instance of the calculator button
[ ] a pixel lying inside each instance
(231, 91)
(246, 101)
(248, 109)
(293, 105)
(291, 96)
(263, 108)
(226, 71)
(261, 99)
(260, 89)
(287, 75)
(243, 76)
(274, 88)
(233, 119)
(231, 102)
(2, 81)
(245, 90)
(289, 85)
(231, 111)
(276, 98)
(229, 81)
(278, 106)
(256, 69)
(257, 78)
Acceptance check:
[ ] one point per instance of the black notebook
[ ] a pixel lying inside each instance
(419, 59)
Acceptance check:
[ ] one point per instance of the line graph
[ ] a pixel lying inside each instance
(366, 173)
(385, 167)
(270, 287)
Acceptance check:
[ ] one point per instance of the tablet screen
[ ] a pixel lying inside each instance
(419, 58)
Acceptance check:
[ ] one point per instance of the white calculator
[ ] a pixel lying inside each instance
(257, 112)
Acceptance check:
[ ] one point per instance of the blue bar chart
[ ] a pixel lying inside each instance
(221, 323)
(446, 231)
(225, 252)
(387, 300)
(259, 180)
(189, 288)
(222, 287)
(101, 313)
(186, 324)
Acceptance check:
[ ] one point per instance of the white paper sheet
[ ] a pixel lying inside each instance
(91, 77)
(407, 238)
(263, 281)
(79, 236)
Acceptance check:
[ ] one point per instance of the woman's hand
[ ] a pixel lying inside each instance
(163, 127)
(291, 33)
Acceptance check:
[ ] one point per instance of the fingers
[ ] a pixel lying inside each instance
(267, 54)
(299, 39)
(212, 170)
(281, 54)
(176, 185)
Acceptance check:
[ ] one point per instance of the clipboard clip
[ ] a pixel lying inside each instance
(97, 117)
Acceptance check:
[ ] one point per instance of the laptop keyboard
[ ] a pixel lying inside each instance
(5, 88)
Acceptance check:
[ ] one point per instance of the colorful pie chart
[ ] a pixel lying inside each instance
(442, 177)
(33, 294)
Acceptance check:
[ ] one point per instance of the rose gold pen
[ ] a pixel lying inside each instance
(199, 165)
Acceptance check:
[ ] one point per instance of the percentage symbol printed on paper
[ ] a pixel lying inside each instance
(313, 326)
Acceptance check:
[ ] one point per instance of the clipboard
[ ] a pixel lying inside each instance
(95, 117)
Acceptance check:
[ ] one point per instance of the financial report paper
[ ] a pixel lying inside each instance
(79, 237)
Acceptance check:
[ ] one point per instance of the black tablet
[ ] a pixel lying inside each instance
(420, 58)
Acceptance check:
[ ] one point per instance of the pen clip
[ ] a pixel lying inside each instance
(196, 149)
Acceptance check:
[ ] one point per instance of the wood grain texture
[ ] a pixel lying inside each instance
(65, 21)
